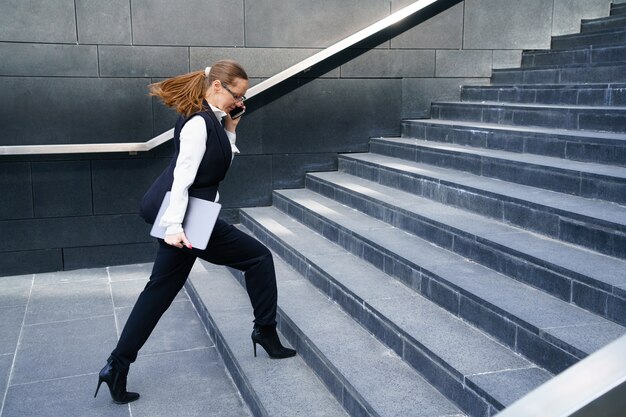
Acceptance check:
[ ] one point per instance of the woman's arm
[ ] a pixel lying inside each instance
(192, 147)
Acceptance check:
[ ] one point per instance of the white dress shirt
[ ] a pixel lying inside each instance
(193, 138)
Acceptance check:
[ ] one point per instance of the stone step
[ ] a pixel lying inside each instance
(267, 386)
(568, 272)
(551, 332)
(482, 375)
(579, 55)
(594, 118)
(604, 37)
(583, 179)
(602, 23)
(350, 361)
(584, 146)
(618, 9)
(565, 217)
(611, 72)
(569, 94)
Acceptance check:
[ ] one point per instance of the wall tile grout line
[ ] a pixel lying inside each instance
(19, 339)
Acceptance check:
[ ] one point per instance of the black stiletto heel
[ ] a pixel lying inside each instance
(100, 379)
(116, 381)
(267, 337)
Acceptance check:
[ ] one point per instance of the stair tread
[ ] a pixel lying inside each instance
(543, 313)
(574, 48)
(585, 168)
(355, 353)
(531, 105)
(604, 19)
(229, 306)
(584, 34)
(574, 134)
(611, 213)
(586, 65)
(437, 330)
(600, 37)
(559, 86)
(602, 268)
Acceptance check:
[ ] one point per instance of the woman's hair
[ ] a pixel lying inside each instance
(185, 92)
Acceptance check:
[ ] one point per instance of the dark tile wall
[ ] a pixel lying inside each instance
(16, 189)
(306, 23)
(103, 22)
(188, 22)
(51, 21)
(77, 71)
(61, 188)
(46, 110)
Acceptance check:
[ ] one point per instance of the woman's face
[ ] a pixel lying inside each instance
(228, 96)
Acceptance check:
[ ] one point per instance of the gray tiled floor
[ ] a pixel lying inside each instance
(58, 329)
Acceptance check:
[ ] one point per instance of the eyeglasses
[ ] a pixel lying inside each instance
(237, 98)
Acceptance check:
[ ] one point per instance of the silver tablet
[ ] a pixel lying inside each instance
(198, 223)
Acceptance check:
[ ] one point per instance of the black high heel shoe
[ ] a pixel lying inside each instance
(116, 381)
(267, 337)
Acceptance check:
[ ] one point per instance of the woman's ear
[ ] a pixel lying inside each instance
(212, 88)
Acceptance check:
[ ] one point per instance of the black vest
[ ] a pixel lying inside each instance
(212, 169)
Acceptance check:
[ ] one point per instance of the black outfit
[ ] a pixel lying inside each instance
(227, 246)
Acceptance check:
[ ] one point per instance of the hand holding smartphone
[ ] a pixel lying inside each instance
(237, 112)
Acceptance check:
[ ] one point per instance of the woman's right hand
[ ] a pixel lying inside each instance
(178, 240)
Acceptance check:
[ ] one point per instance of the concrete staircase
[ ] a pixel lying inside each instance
(451, 270)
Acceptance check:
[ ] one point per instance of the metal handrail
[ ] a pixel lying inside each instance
(595, 386)
(302, 66)
(130, 147)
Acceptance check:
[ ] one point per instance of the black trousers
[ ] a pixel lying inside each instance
(227, 246)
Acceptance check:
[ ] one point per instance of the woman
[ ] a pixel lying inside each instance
(203, 153)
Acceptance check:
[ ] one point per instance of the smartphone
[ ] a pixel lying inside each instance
(237, 112)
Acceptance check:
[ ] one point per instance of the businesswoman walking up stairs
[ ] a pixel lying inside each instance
(203, 153)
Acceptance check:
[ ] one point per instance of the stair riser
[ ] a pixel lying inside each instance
(569, 182)
(595, 39)
(567, 285)
(500, 324)
(435, 370)
(565, 75)
(582, 119)
(574, 57)
(519, 142)
(551, 222)
(618, 9)
(534, 143)
(602, 24)
(338, 386)
(583, 96)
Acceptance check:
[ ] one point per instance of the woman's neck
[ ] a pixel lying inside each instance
(211, 102)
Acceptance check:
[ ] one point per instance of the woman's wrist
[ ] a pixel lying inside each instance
(174, 229)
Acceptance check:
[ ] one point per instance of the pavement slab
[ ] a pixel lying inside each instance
(58, 329)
